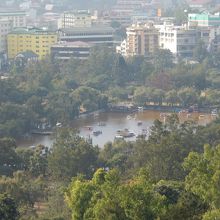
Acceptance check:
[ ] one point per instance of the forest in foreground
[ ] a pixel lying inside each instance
(175, 174)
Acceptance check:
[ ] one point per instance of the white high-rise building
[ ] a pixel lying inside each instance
(18, 18)
(180, 40)
(122, 48)
(81, 18)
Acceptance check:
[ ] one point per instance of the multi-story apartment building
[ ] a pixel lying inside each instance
(5, 28)
(180, 40)
(124, 10)
(18, 18)
(95, 34)
(30, 39)
(142, 39)
(72, 19)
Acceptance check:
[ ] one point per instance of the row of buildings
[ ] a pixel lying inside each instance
(75, 37)
(76, 32)
(145, 38)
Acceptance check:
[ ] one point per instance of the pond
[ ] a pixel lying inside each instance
(103, 127)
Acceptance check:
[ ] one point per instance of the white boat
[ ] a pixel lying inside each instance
(119, 137)
(140, 108)
(214, 113)
(58, 124)
(125, 133)
(139, 123)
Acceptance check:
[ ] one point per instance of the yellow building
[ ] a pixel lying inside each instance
(30, 39)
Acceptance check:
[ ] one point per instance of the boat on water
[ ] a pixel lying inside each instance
(139, 123)
(95, 114)
(97, 133)
(214, 113)
(58, 125)
(125, 133)
(119, 137)
(90, 128)
(140, 108)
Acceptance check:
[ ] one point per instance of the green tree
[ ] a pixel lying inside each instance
(204, 175)
(188, 96)
(200, 52)
(9, 160)
(171, 97)
(105, 197)
(162, 59)
(71, 155)
(8, 208)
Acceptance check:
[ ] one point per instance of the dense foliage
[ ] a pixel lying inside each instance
(169, 176)
(172, 175)
(47, 92)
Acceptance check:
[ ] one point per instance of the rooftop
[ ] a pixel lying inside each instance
(32, 30)
(27, 54)
(92, 29)
(73, 44)
(7, 11)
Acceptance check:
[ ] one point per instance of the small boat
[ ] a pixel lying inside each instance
(214, 113)
(139, 123)
(119, 131)
(96, 133)
(140, 108)
(129, 134)
(125, 133)
(119, 137)
(96, 115)
(90, 128)
(58, 124)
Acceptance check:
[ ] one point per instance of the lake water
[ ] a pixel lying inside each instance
(113, 122)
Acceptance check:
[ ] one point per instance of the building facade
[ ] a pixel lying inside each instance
(180, 40)
(142, 40)
(36, 40)
(67, 50)
(72, 19)
(98, 35)
(5, 28)
(204, 20)
(122, 48)
(18, 18)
